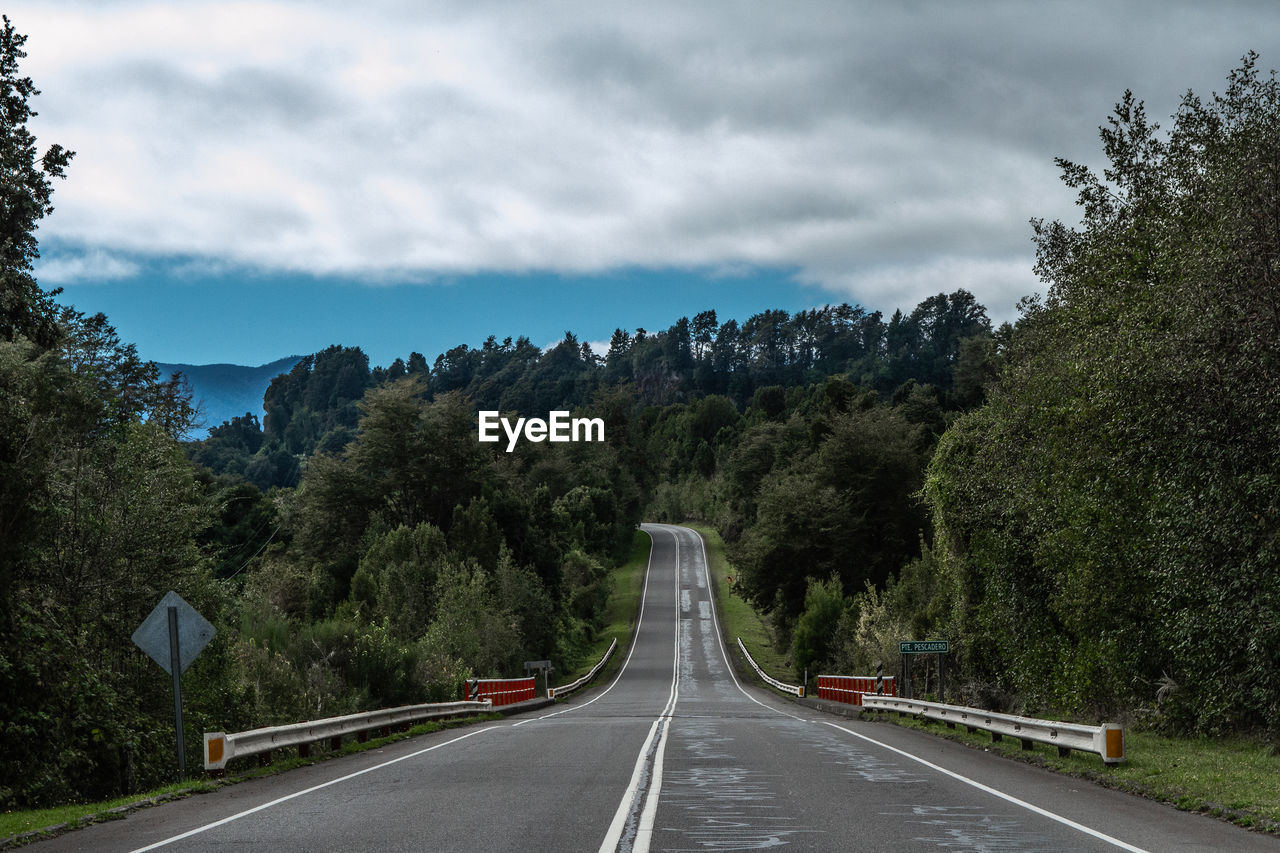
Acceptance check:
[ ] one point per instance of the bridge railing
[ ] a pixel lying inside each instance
(849, 688)
(500, 691)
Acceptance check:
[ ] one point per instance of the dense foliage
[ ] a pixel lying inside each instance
(1111, 514)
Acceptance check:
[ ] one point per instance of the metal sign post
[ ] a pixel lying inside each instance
(923, 647)
(175, 667)
(172, 635)
(539, 667)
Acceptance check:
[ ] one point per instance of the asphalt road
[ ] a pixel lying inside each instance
(674, 754)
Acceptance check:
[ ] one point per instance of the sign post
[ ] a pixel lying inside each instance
(172, 635)
(539, 667)
(923, 647)
(175, 668)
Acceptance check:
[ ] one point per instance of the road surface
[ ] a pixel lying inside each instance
(674, 754)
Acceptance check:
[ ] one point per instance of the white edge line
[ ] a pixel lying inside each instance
(706, 568)
(972, 782)
(189, 833)
(1102, 836)
(639, 618)
(635, 638)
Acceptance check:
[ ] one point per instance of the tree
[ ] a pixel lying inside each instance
(25, 193)
(1112, 512)
(824, 604)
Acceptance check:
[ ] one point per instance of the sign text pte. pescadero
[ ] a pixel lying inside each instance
(558, 426)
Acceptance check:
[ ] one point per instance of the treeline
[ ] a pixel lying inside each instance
(945, 343)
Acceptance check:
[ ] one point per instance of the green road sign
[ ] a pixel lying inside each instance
(924, 647)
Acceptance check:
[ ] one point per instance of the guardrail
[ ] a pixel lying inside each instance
(793, 689)
(1106, 740)
(220, 747)
(565, 690)
(849, 688)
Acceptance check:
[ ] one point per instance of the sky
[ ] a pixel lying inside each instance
(257, 180)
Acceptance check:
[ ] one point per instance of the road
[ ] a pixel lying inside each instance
(674, 754)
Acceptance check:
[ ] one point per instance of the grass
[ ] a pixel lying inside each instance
(19, 822)
(737, 617)
(1231, 778)
(23, 827)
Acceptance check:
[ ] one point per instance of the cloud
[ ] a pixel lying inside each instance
(93, 266)
(880, 150)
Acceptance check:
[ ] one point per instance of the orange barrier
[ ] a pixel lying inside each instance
(500, 691)
(849, 688)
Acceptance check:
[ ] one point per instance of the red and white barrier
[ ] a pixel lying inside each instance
(849, 688)
(500, 691)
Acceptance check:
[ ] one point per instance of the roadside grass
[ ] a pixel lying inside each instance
(24, 827)
(620, 613)
(20, 822)
(737, 617)
(1235, 779)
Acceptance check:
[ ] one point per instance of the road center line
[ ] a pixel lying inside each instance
(651, 755)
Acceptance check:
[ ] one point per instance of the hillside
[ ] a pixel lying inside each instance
(224, 391)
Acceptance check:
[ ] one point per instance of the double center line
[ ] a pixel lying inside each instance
(632, 827)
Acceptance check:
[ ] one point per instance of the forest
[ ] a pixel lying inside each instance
(1083, 502)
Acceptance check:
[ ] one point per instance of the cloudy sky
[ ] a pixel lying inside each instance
(254, 180)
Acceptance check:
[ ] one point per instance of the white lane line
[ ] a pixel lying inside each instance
(628, 805)
(635, 638)
(644, 834)
(614, 836)
(312, 789)
(972, 782)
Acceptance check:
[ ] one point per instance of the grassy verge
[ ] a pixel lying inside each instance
(620, 613)
(737, 617)
(1234, 778)
(23, 827)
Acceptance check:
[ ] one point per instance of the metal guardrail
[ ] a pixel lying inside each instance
(220, 747)
(793, 689)
(565, 690)
(1106, 740)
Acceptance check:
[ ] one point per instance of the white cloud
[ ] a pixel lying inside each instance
(881, 152)
(91, 267)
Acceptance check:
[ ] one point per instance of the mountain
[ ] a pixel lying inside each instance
(225, 391)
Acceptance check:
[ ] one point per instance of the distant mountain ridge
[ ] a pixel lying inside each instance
(226, 391)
